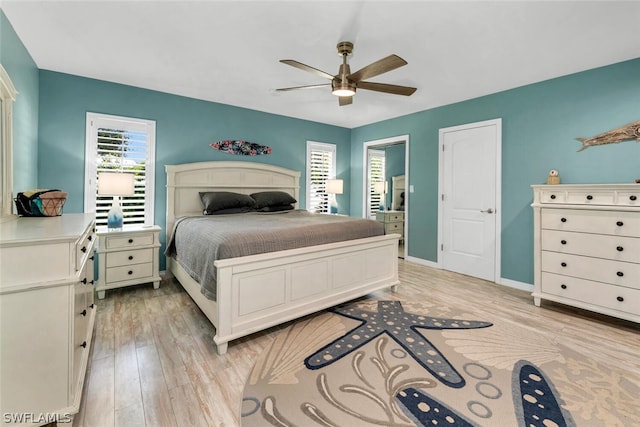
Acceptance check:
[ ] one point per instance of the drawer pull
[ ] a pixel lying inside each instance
(91, 282)
(84, 344)
(620, 273)
(130, 240)
(130, 257)
(563, 219)
(552, 197)
(589, 197)
(564, 242)
(620, 249)
(130, 272)
(84, 249)
(563, 286)
(84, 281)
(619, 223)
(633, 198)
(92, 305)
(564, 264)
(92, 258)
(90, 238)
(84, 312)
(620, 299)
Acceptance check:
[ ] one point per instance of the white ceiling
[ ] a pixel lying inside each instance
(228, 51)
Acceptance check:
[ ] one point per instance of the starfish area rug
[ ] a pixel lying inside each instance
(388, 363)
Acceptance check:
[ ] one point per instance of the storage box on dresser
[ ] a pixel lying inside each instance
(393, 222)
(128, 257)
(587, 247)
(47, 314)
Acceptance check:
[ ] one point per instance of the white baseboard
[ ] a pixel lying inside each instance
(502, 281)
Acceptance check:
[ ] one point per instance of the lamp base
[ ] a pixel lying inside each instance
(115, 217)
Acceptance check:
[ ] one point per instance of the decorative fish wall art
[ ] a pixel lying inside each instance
(614, 136)
(243, 148)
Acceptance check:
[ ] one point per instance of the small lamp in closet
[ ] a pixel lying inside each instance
(380, 187)
(334, 186)
(115, 184)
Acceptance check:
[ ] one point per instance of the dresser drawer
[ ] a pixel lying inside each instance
(552, 196)
(590, 197)
(84, 247)
(129, 272)
(629, 198)
(131, 241)
(613, 297)
(394, 228)
(139, 256)
(602, 270)
(619, 248)
(600, 222)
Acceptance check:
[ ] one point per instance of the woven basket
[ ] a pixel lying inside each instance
(52, 203)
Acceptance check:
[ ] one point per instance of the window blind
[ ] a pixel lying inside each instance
(320, 167)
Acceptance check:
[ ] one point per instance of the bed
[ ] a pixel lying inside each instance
(258, 291)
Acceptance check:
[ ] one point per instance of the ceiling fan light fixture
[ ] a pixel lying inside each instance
(343, 89)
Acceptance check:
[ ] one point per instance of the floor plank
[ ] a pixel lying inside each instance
(153, 361)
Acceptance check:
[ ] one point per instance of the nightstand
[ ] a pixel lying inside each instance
(128, 257)
(393, 222)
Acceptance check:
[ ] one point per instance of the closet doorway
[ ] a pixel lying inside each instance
(386, 183)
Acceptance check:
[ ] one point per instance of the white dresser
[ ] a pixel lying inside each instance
(587, 247)
(393, 222)
(47, 313)
(128, 257)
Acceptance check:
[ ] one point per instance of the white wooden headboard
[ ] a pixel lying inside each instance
(186, 181)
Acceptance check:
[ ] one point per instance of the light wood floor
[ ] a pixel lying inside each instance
(153, 362)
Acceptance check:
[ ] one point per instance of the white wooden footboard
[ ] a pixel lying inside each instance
(260, 291)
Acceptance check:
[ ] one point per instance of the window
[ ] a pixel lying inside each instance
(120, 144)
(376, 175)
(321, 166)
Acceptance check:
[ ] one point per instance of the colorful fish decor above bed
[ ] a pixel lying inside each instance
(242, 148)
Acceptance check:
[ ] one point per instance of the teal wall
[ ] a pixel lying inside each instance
(184, 129)
(23, 71)
(539, 125)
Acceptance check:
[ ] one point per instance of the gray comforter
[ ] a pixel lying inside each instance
(197, 242)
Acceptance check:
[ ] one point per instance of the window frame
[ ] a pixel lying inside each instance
(8, 95)
(313, 146)
(94, 121)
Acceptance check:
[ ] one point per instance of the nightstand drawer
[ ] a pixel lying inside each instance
(389, 216)
(394, 228)
(139, 239)
(129, 272)
(140, 256)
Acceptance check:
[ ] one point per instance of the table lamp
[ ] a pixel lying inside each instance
(334, 186)
(115, 184)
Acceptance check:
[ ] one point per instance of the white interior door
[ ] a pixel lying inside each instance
(469, 203)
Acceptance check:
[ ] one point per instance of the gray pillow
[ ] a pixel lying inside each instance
(265, 199)
(216, 201)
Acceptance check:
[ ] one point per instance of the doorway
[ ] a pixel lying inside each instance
(385, 180)
(470, 199)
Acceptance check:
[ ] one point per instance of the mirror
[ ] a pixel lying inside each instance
(385, 184)
(7, 96)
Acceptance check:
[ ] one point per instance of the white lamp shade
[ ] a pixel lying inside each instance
(116, 184)
(334, 186)
(380, 187)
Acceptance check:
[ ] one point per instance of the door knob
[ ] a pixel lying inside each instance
(488, 211)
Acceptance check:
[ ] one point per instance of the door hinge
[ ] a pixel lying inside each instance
(442, 247)
(442, 197)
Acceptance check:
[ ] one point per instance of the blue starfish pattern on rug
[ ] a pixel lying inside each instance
(391, 319)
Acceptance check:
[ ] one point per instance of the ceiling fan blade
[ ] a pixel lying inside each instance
(303, 87)
(305, 67)
(383, 65)
(387, 88)
(345, 100)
